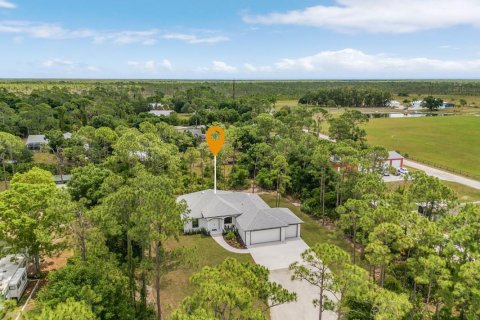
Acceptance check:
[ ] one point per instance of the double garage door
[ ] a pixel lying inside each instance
(270, 235)
(267, 235)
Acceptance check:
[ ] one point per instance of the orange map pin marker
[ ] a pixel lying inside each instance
(215, 139)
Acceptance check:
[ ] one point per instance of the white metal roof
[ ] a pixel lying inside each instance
(8, 269)
(160, 112)
(40, 138)
(394, 155)
(36, 138)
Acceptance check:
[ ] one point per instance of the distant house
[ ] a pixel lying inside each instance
(156, 105)
(140, 155)
(446, 105)
(36, 141)
(252, 217)
(395, 104)
(195, 131)
(416, 105)
(338, 165)
(394, 160)
(61, 180)
(13, 276)
(157, 113)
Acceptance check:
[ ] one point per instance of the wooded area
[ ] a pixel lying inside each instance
(119, 211)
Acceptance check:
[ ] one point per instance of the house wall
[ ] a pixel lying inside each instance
(202, 223)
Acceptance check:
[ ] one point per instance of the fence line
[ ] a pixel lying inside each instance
(443, 167)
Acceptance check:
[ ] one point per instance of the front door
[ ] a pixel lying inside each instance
(214, 226)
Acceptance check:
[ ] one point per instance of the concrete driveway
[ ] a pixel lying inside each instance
(443, 175)
(277, 257)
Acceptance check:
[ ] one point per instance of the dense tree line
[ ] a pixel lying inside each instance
(119, 213)
(281, 89)
(347, 97)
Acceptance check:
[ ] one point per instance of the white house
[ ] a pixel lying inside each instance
(395, 104)
(36, 141)
(13, 276)
(158, 113)
(255, 221)
(196, 131)
(416, 105)
(446, 105)
(156, 105)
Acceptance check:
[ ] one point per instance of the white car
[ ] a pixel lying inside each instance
(402, 171)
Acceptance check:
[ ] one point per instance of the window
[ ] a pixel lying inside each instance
(227, 220)
(195, 223)
(12, 288)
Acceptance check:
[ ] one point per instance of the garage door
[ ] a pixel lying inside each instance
(292, 231)
(266, 235)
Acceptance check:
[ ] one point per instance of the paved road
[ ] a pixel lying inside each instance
(443, 175)
(277, 257)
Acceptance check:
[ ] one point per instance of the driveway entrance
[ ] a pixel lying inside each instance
(277, 257)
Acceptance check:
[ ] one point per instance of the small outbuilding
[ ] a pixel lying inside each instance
(394, 160)
(36, 141)
(158, 113)
(196, 131)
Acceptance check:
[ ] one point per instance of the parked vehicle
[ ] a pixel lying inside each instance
(13, 276)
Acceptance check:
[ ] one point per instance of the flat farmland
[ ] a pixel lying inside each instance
(451, 142)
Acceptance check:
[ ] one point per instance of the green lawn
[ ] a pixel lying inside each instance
(176, 285)
(450, 142)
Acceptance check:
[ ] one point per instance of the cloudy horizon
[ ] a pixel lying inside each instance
(342, 39)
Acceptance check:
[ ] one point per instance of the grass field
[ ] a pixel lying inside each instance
(451, 143)
(176, 285)
(44, 157)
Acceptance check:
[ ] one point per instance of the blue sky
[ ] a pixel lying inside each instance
(240, 39)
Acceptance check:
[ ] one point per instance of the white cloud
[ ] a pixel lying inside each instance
(355, 63)
(194, 39)
(57, 63)
(151, 66)
(57, 32)
(146, 37)
(251, 68)
(390, 16)
(220, 66)
(68, 65)
(7, 4)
